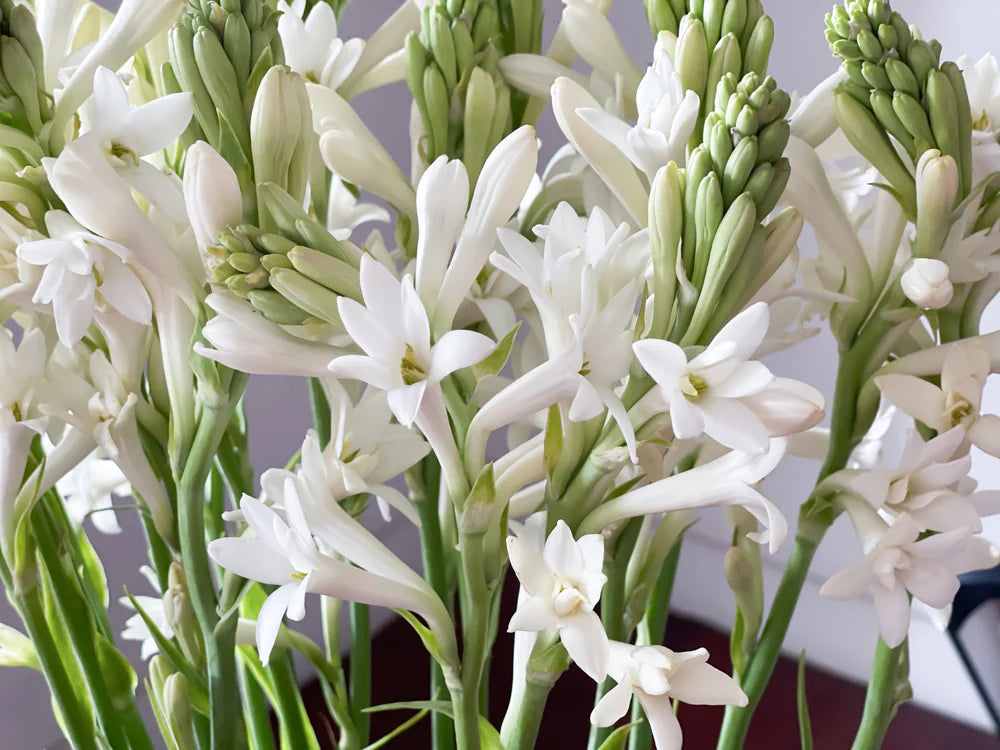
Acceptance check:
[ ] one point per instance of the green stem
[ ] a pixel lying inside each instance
(424, 493)
(652, 630)
(475, 633)
(77, 720)
(83, 636)
(258, 720)
(887, 689)
(296, 732)
(334, 691)
(530, 712)
(360, 674)
(465, 705)
(220, 636)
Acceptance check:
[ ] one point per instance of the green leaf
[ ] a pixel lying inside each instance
(618, 738)
(116, 670)
(494, 363)
(805, 725)
(489, 737)
(93, 570)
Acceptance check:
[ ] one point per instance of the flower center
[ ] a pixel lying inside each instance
(15, 409)
(957, 408)
(585, 369)
(123, 153)
(566, 597)
(410, 369)
(982, 122)
(693, 386)
(299, 576)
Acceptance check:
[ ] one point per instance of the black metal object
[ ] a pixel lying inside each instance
(978, 588)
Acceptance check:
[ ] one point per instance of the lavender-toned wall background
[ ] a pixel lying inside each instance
(836, 635)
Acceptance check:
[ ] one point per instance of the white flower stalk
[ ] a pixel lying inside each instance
(88, 491)
(708, 394)
(656, 677)
(135, 23)
(211, 194)
(503, 181)
(594, 39)
(243, 339)
(725, 481)
(365, 452)
(926, 284)
(312, 47)
(126, 134)
(563, 582)
(957, 402)
(899, 562)
(393, 331)
(285, 553)
(81, 274)
(351, 150)
(610, 164)
(668, 115)
(923, 484)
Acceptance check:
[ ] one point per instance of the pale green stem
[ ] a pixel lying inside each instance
(884, 695)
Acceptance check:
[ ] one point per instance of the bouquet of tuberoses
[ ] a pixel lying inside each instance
(544, 371)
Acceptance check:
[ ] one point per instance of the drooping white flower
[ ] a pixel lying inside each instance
(667, 116)
(709, 393)
(82, 273)
(925, 283)
(956, 402)
(393, 330)
(657, 676)
(366, 450)
(88, 490)
(564, 582)
(724, 481)
(900, 561)
(285, 553)
(126, 134)
(245, 340)
(312, 47)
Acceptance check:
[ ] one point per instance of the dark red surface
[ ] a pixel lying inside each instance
(400, 673)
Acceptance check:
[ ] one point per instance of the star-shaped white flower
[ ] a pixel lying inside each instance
(393, 330)
(956, 402)
(667, 116)
(563, 582)
(81, 274)
(657, 676)
(88, 491)
(900, 561)
(724, 394)
(312, 47)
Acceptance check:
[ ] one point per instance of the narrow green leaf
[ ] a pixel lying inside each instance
(618, 739)
(805, 725)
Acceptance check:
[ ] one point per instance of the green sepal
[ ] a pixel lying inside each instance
(494, 363)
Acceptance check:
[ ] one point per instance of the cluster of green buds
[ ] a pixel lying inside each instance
(290, 269)
(220, 52)
(452, 70)
(24, 102)
(732, 182)
(897, 86)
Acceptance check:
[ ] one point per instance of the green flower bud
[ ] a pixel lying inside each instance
(306, 294)
(758, 48)
(176, 704)
(666, 224)
(738, 168)
(914, 119)
(334, 274)
(276, 308)
(281, 132)
(180, 616)
(692, 56)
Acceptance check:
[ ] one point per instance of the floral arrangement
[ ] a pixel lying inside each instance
(543, 371)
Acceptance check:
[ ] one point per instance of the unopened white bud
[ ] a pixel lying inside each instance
(926, 283)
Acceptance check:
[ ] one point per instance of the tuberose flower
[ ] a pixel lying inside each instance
(657, 676)
(564, 582)
(312, 47)
(926, 284)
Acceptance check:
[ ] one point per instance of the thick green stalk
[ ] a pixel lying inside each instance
(887, 689)
(465, 705)
(424, 492)
(77, 720)
(651, 631)
(360, 674)
(476, 608)
(220, 636)
(255, 711)
(83, 636)
(529, 716)
(296, 732)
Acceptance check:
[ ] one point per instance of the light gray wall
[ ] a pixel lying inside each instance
(279, 412)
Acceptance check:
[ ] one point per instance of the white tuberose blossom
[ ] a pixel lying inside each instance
(656, 676)
(393, 331)
(81, 274)
(312, 48)
(723, 394)
(898, 562)
(564, 582)
(667, 116)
